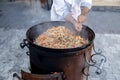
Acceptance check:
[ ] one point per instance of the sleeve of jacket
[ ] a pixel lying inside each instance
(86, 3)
(61, 8)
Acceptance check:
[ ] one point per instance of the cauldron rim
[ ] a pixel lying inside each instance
(61, 50)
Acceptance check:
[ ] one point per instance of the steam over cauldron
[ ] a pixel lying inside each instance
(70, 61)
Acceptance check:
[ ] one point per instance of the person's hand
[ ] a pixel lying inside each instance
(82, 18)
(78, 26)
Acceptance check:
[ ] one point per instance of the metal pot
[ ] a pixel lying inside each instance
(38, 29)
(71, 61)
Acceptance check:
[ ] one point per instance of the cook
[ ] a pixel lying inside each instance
(74, 11)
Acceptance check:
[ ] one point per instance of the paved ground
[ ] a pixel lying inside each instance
(16, 18)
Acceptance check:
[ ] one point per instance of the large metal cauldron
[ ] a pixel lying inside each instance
(69, 61)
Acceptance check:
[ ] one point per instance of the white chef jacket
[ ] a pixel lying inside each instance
(61, 8)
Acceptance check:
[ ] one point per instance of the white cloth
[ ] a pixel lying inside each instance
(61, 8)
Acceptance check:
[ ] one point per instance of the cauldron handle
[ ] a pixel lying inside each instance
(24, 44)
(94, 62)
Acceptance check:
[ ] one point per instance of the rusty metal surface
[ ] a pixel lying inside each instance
(30, 76)
(73, 66)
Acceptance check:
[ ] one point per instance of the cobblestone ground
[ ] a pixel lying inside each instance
(16, 18)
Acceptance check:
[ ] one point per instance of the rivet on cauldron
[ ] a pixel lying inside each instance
(68, 64)
(77, 54)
